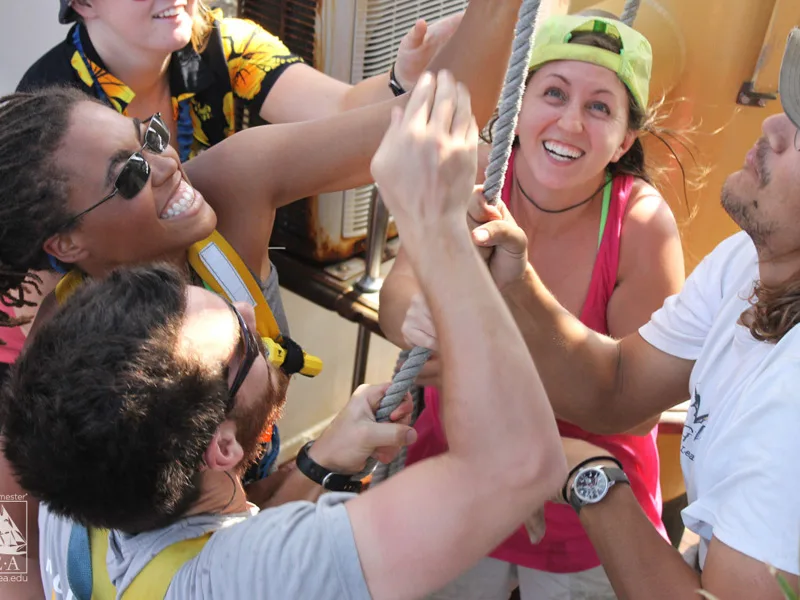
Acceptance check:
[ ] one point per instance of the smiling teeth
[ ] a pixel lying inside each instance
(170, 12)
(185, 202)
(561, 152)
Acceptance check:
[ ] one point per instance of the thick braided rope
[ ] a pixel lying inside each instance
(384, 471)
(629, 12)
(402, 382)
(510, 103)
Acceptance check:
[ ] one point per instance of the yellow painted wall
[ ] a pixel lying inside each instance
(703, 50)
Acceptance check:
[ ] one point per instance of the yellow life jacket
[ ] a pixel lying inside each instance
(88, 575)
(224, 272)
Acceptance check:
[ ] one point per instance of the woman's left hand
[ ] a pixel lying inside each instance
(419, 46)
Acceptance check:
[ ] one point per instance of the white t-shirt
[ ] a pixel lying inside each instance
(741, 441)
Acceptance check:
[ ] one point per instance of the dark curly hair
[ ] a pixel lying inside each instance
(33, 190)
(101, 418)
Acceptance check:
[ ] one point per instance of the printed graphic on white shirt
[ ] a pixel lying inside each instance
(696, 419)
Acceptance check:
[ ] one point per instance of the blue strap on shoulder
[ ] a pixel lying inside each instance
(79, 563)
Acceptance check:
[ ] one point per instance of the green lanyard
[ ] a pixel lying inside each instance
(604, 210)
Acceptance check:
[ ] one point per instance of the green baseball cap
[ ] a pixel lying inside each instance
(633, 64)
(789, 85)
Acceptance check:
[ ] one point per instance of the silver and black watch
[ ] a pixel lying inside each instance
(592, 484)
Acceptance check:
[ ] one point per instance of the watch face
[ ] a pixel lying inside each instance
(591, 485)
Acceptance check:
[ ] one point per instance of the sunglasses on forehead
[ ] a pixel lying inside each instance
(136, 170)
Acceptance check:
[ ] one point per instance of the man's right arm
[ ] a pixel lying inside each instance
(502, 438)
(598, 383)
(505, 458)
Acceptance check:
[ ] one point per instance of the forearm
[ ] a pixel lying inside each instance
(298, 486)
(482, 72)
(295, 487)
(576, 362)
(395, 297)
(486, 397)
(479, 52)
(640, 564)
(500, 429)
(278, 164)
(366, 92)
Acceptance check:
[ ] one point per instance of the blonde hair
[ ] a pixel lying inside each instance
(201, 28)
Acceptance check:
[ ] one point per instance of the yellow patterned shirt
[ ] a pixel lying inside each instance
(240, 64)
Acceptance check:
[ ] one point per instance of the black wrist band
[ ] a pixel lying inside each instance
(394, 85)
(582, 464)
(335, 482)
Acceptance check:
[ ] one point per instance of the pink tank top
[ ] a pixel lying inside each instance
(13, 337)
(565, 547)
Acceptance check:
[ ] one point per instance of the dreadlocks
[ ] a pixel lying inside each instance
(33, 191)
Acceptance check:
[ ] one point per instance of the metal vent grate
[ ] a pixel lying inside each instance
(387, 21)
(357, 39)
(355, 216)
(377, 37)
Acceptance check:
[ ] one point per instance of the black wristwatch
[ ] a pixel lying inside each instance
(335, 482)
(394, 85)
(592, 484)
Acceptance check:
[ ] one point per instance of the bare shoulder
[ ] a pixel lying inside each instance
(647, 213)
(650, 244)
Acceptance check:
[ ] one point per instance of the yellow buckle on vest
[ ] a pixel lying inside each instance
(276, 354)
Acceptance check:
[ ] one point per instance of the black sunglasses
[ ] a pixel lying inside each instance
(251, 346)
(136, 171)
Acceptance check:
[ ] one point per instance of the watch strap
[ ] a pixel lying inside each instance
(335, 482)
(394, 84)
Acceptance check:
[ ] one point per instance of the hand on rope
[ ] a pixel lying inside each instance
(418, 328)
(355, 436)
(504, 246)
(418, 331)
(502, 243)
(420, 45)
